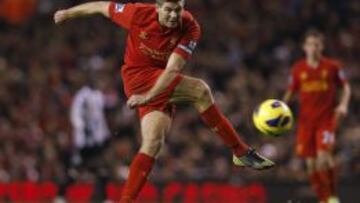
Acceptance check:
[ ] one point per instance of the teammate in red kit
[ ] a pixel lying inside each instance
(316, 79)
(161, 38)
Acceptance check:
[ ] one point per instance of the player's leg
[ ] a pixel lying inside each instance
(154, 127)
(325, 162)
(316, 180)
(306, 149)
(198, 94)
(325, 165)
(193, 91)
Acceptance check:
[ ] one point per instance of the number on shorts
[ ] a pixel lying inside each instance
(328, 137)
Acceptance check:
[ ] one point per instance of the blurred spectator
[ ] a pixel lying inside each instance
(90, 129)
(88, 120)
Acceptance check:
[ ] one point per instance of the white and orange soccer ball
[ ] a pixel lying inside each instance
(273, 118)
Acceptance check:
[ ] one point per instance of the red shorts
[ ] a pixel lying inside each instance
(315, 136)
(138, 80)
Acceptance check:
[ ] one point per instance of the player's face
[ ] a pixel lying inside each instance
(170, 13)
(313, 47)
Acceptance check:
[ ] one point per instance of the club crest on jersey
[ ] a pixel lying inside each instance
(303, 76)
(119, 8)
(143, 35)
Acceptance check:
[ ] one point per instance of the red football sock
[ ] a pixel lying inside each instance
(139, 171)
(331, 173)
(318, 186)
(325, 183)
(223, 128)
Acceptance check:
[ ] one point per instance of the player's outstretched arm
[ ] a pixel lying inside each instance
(98, 7)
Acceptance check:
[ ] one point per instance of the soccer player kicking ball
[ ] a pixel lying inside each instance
(161, 38)
(316, 78)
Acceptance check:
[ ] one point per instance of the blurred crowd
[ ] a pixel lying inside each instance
(245, 54)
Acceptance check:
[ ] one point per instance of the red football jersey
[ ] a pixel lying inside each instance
(317, 88)
(149, 43)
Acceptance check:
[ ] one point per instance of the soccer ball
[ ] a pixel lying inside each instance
(273, 117)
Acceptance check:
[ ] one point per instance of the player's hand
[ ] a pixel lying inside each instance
(341, 111)
(137, 100)
(60, 16)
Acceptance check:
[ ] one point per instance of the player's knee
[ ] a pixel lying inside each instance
(324, 160)
(310, 166)
(204, 91)
(152, 146)
(320, 165)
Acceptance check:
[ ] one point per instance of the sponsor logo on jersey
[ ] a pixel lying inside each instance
(314, 86)
(119, 8)
(154, 54)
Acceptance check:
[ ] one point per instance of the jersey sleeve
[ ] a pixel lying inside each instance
(293, 81)
(188, 42)
(122, 14)
(340, 75)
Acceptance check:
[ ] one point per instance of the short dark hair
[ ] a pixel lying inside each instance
(314, 33)
(160, 2)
